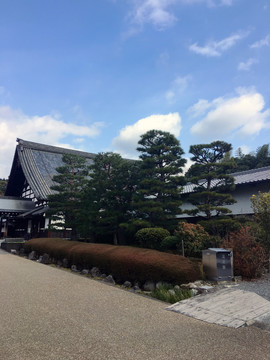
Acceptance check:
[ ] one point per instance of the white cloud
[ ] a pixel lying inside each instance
(216, 48)
(154, 12)
(159, 13)
(178, 86)
(261, 43)
(127, 141)
(45, 129)
(187, 165)
(199, 108)
(245, 149)
(242, 115)
(245, 66)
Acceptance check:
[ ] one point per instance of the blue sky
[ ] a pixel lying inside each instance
(95, 75)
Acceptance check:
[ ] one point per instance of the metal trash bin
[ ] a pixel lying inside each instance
(218, 264)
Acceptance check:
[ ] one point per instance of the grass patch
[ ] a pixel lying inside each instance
(169, 294)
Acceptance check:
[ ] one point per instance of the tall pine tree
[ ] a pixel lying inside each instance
(107, 198)
(212, 183)
(65, 203)
(158, 196)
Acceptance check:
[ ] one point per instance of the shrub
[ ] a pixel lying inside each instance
(194, 236)
(123, 262)
(220, 227)
(151, 238)
(248, 255)
(261, 207)
(163, 294)
(170, 243)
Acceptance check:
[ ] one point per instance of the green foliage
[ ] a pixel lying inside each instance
(221, 226)
(151, 237)
(158, 196)
(194, 236)
(261, 207)
(248, 255)
(130, 228)
(123, 262)
(65, 202)
(162, 293)
(107, 198)
(3, 185)
(253, 160)
(212, 182)
(170, 243)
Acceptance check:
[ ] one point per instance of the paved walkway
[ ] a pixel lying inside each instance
(228, 307)
(48, 313)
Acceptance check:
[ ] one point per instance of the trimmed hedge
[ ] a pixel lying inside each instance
(151, 238)
(123, 262)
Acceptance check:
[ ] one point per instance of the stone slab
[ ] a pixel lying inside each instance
(228, 307)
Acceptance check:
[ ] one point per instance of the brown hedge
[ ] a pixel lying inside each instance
(123, 262)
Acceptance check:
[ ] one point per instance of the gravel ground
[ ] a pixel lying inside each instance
(259, 286)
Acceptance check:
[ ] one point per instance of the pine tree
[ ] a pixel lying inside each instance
(253, 160)
(212, 183)
(65, 203)
(107, 199)
(158, 197)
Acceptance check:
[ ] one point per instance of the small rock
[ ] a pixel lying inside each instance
(59, 263)
(177, 288)
(103, 276)
(85, 272)
(171, 292)
(65, 263)
(74, 268)
(127, 284)
(149, 286)
(198, 283)
(185, 286)
(194, 292)
(45, 259)
(205, 288)
(193, 286)
(32, 255)
(109, 279)
(21, 252)
(136, 288)
(95, 272)
(13, 251)
(161, 284)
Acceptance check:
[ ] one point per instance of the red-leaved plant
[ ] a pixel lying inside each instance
(249, 256)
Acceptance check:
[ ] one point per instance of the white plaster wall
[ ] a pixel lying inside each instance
(16, 205)
(242, 195)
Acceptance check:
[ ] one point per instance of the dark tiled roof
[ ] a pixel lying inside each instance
(243, 177)
(251, 176)
(37, 164)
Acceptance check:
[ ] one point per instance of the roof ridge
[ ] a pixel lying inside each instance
(250, 171)
(54, 149)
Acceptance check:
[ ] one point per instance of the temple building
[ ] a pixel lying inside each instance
(23, 208)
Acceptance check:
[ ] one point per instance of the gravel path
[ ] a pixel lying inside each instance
(259, 286)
